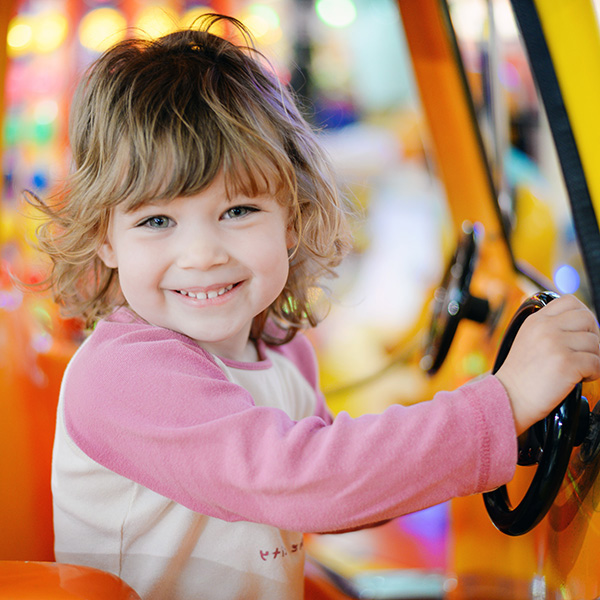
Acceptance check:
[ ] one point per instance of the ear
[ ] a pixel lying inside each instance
(291, 239)
(107, 254)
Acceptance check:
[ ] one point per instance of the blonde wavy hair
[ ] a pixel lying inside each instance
(160, 119)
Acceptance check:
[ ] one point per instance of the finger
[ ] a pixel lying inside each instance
(582, 358)
(579, 341)
(572, 314)
(562, 304)
(578, 320)
(589, 366)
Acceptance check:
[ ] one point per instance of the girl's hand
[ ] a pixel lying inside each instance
(555, 349)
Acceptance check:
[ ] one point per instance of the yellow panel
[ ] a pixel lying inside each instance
(573, 39)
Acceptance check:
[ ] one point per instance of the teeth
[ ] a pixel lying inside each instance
(225, 289)
(206, 295)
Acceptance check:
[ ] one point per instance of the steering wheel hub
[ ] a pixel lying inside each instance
(453, 302)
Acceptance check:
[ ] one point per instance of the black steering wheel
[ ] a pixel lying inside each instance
(453, 302)
(548, 444)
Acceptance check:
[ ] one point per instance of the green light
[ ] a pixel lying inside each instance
(336, 13)
(265, 13)
(474, 364)
(42, 132)
(13, 130)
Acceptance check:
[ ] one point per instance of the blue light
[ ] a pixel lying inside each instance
(566, 279)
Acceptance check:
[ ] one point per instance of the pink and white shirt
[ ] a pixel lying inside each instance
(194, 477)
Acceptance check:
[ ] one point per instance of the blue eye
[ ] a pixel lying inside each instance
(157, 222)
(237, 212)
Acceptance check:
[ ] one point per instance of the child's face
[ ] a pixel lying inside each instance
(202, 265)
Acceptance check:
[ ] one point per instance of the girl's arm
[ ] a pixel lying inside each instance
(141, 406)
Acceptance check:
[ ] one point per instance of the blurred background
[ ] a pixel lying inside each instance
(348, 63)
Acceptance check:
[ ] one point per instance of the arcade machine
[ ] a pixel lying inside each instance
(503, 240)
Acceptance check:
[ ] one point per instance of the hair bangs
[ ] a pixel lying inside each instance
(255, 173)
(174, 164)
(177, 164)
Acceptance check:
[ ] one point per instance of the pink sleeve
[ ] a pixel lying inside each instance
(158, 411)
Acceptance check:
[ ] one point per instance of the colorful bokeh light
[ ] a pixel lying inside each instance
(155, 21)
(263, 22)
(566, 279)
(20, 35)
(50, 32)
(41, 33)
(45, 111)
(190, 16)
(336, 13)
(101, 28)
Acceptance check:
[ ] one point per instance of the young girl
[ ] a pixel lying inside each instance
(193, 447)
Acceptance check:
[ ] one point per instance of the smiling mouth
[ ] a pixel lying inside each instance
(207, 295)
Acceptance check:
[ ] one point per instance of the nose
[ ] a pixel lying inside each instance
(202, 250)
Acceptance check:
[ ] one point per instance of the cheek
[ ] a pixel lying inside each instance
(280, 267)
(130, 285)
(273, 262)
(138, 270)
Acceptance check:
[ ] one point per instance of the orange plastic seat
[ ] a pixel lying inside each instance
(31, 367)
(21, 580)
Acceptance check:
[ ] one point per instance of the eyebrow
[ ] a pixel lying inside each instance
(140, 205)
